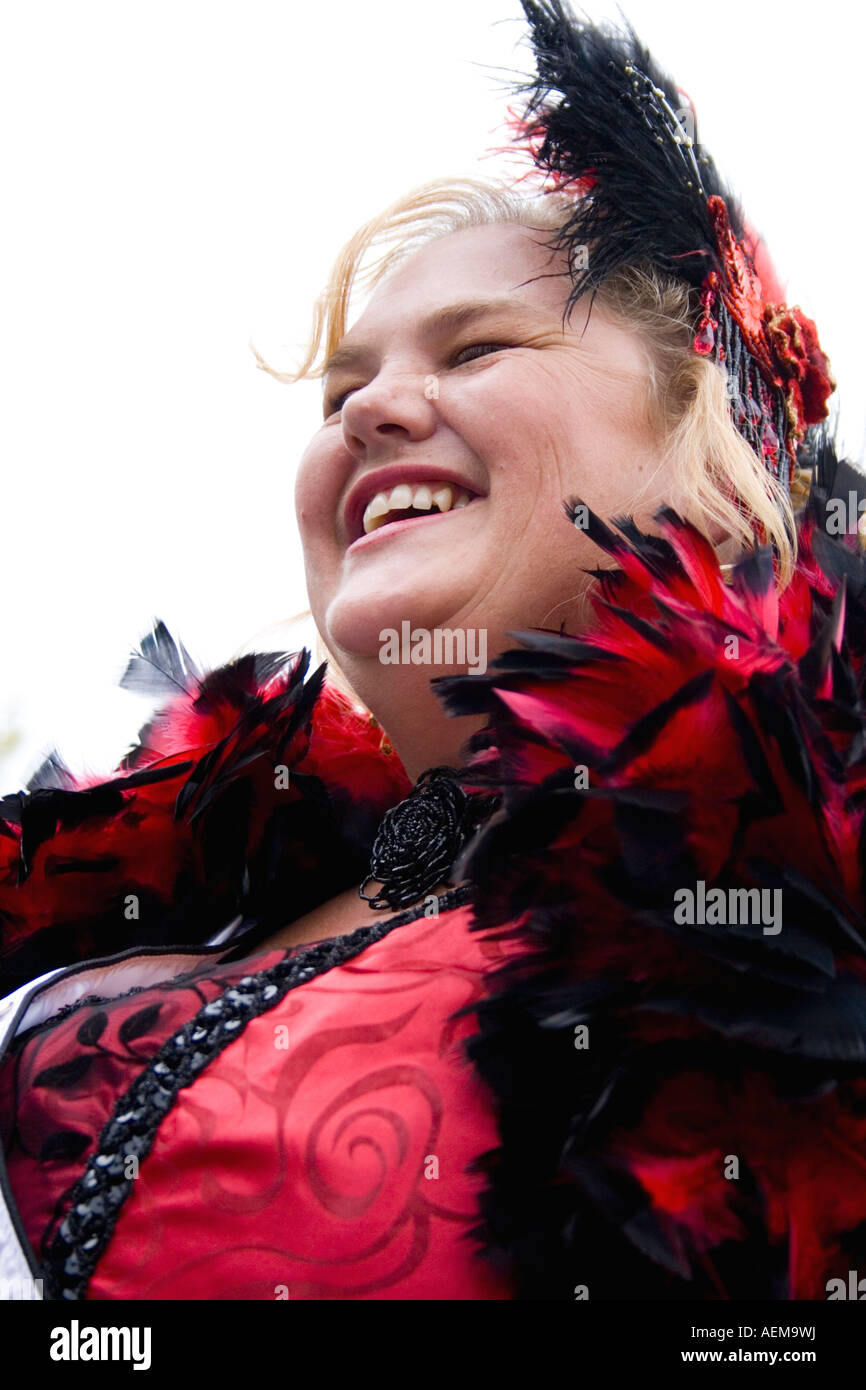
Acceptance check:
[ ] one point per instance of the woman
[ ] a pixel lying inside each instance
(602, 1033)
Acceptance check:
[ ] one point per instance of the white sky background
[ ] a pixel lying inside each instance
(178, 177)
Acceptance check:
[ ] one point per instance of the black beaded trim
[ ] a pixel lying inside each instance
(100, 1193)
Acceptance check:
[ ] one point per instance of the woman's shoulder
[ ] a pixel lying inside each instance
(254, 790)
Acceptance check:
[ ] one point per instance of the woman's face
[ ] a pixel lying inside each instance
(499, 404)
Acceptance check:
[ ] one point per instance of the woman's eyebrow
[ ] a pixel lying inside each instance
(440, 321)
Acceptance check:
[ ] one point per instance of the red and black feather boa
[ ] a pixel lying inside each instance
(682, 1107)
(200, 824)
(706, 1138)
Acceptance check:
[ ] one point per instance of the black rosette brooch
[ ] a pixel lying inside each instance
(420, 839)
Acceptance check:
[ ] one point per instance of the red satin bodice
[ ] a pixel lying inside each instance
(323, 1154)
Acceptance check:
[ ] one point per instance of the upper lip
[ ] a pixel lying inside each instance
(383, 479)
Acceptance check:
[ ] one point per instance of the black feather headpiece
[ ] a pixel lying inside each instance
(603, 122)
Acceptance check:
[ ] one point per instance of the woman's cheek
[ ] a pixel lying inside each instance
(496, 410)
(317, 489)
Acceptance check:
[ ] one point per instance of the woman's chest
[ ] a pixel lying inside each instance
(318, 1142)
(341, 916)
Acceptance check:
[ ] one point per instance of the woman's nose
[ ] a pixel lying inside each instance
(398, 401)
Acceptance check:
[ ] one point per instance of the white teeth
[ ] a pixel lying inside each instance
(378, 506)
(443, 499)
(403, 497)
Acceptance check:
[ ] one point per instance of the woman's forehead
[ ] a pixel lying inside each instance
(495, 264)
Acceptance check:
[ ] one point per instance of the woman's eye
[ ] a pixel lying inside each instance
(475, 349)
(467, 354)
(337, 402)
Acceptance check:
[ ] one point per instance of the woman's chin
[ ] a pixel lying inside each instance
(365, 621)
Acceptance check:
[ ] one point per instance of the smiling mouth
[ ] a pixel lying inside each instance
(404, 502)
(402, 518)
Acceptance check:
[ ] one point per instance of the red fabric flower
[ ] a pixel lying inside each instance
(798, 353)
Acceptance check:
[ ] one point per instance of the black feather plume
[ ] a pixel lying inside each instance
(599, 108)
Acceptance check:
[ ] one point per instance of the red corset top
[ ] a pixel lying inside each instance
(299, 1124)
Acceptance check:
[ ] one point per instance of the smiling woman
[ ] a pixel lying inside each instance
(647, 418)
(680, 397)
(577, 430)
(680, 390)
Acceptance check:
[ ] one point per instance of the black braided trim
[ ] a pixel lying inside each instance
(100, 1193)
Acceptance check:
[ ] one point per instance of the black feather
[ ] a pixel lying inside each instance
(606, 110)
(53, 772)
(162, 667)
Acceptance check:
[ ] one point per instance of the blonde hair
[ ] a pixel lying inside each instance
(709, 461)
